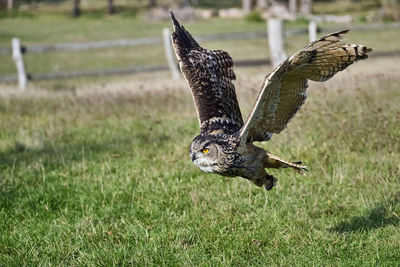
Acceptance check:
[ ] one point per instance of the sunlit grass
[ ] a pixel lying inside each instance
(100, 175)
(96, 171)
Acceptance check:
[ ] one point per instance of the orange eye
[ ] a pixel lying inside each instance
(206, 150)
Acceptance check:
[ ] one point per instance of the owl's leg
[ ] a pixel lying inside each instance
(272, 161)
(268, 181)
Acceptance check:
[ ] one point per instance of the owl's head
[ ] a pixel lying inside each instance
(206, 154)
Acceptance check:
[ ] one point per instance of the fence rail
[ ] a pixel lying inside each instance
(139, 69)
(202, 38)
(140, 41)
(115, 71)
(159, 41)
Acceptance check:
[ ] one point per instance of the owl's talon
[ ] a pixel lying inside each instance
(271, 182)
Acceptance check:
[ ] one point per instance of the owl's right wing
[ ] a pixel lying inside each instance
(284, 90)
(209, 74)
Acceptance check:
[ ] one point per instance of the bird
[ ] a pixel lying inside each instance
(225, 143)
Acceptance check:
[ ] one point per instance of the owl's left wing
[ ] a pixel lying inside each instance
(284, 90)
(209, 74)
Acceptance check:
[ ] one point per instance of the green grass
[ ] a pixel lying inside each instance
(100, 175)
(97, 172)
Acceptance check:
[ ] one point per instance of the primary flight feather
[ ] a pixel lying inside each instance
(224, 145)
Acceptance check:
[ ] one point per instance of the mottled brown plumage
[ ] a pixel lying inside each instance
(205, 69)
(284, 90)
(224, 145)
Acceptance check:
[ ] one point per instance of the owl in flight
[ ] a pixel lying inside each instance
(224, 145)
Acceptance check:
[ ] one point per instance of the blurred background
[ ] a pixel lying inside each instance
(65, 39)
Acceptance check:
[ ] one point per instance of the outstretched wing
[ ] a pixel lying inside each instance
(284, 90)
(209, 74)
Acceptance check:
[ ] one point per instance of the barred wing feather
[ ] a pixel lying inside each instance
(284, 90)
(209, 74)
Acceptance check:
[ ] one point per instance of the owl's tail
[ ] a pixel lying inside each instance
(272, 161)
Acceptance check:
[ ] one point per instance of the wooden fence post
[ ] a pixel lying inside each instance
(312, 30)
(19, 62)
(169, 54)
(276, 40)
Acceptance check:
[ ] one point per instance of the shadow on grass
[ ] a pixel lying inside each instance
(53, 156)
(379, 216)
(73, 148)
(22, 170)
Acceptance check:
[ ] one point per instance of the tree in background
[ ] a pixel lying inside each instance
(76, 10)
(262, 4)
(292, 6)
(305, 7)
(111, 7)
(10, 4)
(247, 6)
(185, 3)
(6, 4)
(390, 10)
(152, 3)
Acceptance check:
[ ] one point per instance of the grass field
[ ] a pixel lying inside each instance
(97, 172)
(100, 175)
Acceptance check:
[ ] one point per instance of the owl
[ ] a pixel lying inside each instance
(225, 143)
